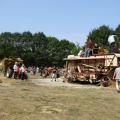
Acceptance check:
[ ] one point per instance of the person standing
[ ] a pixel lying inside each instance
(116, 76)
(96, 49)
(22, 70)
(34, 70)
(54, 75)
(88, 48)
(15, 68)
(18, 72)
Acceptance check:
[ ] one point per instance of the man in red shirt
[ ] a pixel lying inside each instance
(88, 48)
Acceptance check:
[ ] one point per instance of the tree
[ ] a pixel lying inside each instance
(117, 32)
(39, 40)
(6, 44)
(53, 51)
(65, 48)
(76, 49)
(39, 48)
(57, 50)
(100, 35)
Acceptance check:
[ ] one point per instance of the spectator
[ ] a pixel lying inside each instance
(22, 71)
(37, 70)
(34, 70)
(18, 72)
(15, 68)
(54, 75)
(116, 76)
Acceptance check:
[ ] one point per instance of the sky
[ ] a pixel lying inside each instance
(63, 19)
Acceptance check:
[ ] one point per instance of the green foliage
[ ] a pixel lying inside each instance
(76, 49)
(100, 35)
(35, 49)
(39, 50)
(57, 50)
(117, 31)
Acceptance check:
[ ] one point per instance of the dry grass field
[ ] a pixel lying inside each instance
(23, 100)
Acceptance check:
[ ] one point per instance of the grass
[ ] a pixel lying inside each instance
(26, 101)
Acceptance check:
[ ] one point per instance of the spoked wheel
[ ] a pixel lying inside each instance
(70, 80)
(105, 81)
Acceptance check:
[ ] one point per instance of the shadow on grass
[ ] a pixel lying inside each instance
(84, 82)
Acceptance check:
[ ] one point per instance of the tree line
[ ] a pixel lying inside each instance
(36, 49)
(39, 50)
(100, 35)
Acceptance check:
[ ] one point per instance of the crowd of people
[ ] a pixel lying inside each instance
(51, 72)
(17, 71)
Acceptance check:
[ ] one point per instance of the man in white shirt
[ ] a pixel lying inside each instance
(15, 68)
(116, 76)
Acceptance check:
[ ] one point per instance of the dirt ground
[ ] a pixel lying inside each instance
(43, 99)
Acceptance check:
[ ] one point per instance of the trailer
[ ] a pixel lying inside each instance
(95, 69)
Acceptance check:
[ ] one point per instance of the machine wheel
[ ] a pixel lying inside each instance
(105, 81)
(70, 80)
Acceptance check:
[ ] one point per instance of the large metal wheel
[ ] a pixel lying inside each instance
(105, 81)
